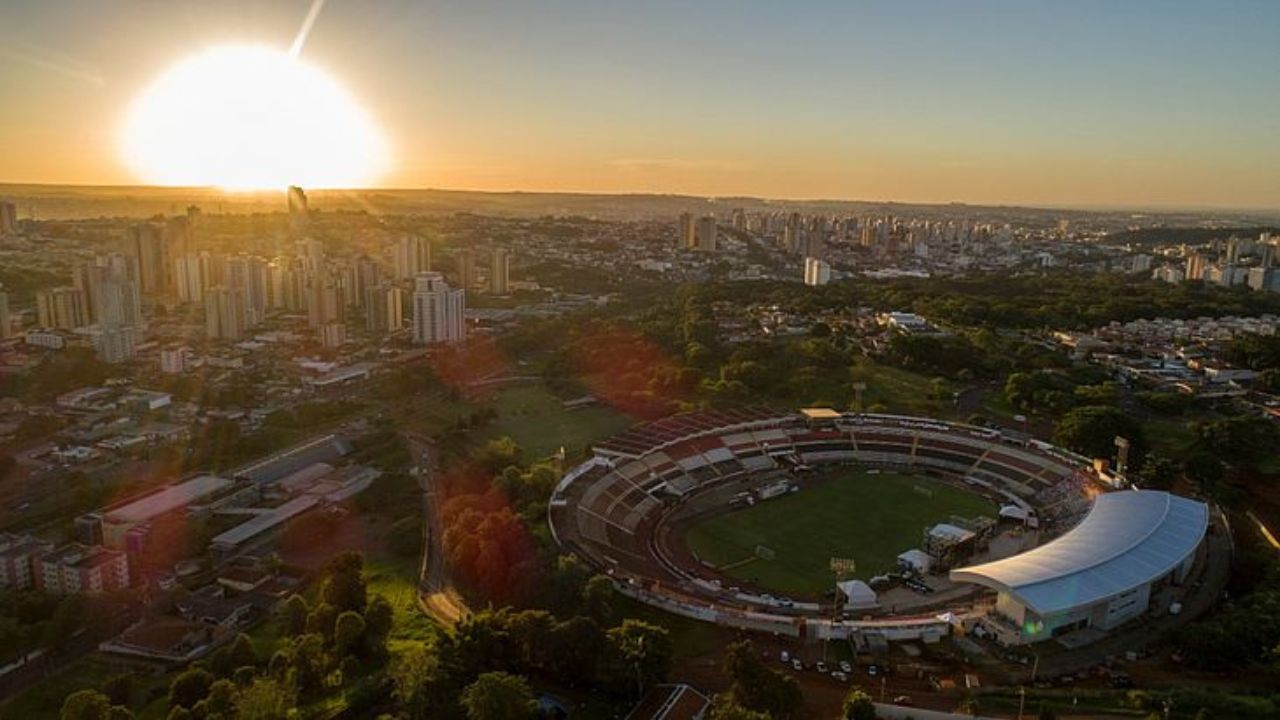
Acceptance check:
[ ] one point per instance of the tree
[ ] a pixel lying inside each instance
(190, 687)
(858, 706)
(1243, 439)
(421, 684)
(219, 704)
(65, 621)
(598, 598)
(640, 653)
(499, 696)
(1159, 473)
(321, 619)
(1091, 430)
(499, 453)
(575, 648)
(344, 586)
(490, 548)
(565, 584)
(379, 618)
(530, 633)
(757, 687)
(241, 653)
(118, 689)
(265, 699)
(307, 663)
(348, 634)
(86, 705)
(724, 707)
(293, 615)
(1204, 468)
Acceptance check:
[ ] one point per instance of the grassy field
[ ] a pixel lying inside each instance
(868, 517)
(898, 390)
(535, 418)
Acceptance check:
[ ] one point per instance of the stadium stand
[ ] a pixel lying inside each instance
(608, 509)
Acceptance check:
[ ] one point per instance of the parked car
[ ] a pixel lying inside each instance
(822, 667)
(797, 665)
(785, 657)
(839, 675)
(845, 666)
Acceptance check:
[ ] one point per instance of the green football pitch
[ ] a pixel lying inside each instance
(849, 513)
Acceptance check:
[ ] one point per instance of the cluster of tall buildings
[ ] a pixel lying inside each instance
(106, 297)
(697, 233)
(239, 291)
(162, 260)
(885, 237)
(1228, 263)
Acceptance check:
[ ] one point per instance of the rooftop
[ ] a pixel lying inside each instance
(166, 500)
(1129, 538)
(262, 523)
(820, 414)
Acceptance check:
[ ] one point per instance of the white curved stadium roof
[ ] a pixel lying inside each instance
(1127, 539)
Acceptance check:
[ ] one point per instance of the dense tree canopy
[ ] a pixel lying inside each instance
(499, 696)
(1091, 430)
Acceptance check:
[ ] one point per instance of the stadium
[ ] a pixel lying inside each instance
(870, 527)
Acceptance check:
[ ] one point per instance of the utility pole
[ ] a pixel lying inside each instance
(858, 387)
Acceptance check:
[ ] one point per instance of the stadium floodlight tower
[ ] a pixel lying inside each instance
(841, 567)
(1122, 456)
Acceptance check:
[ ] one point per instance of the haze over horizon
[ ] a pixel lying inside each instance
(1150, 104)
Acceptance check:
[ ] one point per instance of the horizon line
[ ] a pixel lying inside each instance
(1068, 205)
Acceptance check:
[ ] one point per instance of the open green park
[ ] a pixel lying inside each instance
(848, 513)
(538, 421)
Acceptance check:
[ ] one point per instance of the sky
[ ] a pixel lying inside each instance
(1135, 103)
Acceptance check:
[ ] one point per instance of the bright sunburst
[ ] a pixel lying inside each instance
(242, 117)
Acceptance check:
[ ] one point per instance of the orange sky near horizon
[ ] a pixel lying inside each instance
(603, 97)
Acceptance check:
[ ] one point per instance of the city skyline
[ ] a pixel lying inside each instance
(1153, 104)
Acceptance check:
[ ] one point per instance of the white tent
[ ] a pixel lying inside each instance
(1019, 514)
(916, 559)
(950, 533)
(858, 594)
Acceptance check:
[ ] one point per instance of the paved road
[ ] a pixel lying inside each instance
(437, 595)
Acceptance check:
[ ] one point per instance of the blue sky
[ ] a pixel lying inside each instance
(1139, 102)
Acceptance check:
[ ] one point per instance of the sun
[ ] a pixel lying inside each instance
(247, 118)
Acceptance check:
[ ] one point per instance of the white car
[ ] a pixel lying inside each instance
(839, 675)
(785, 657)
(797, 665)
(822, 667)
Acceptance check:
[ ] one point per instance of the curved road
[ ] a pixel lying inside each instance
(437, 595)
